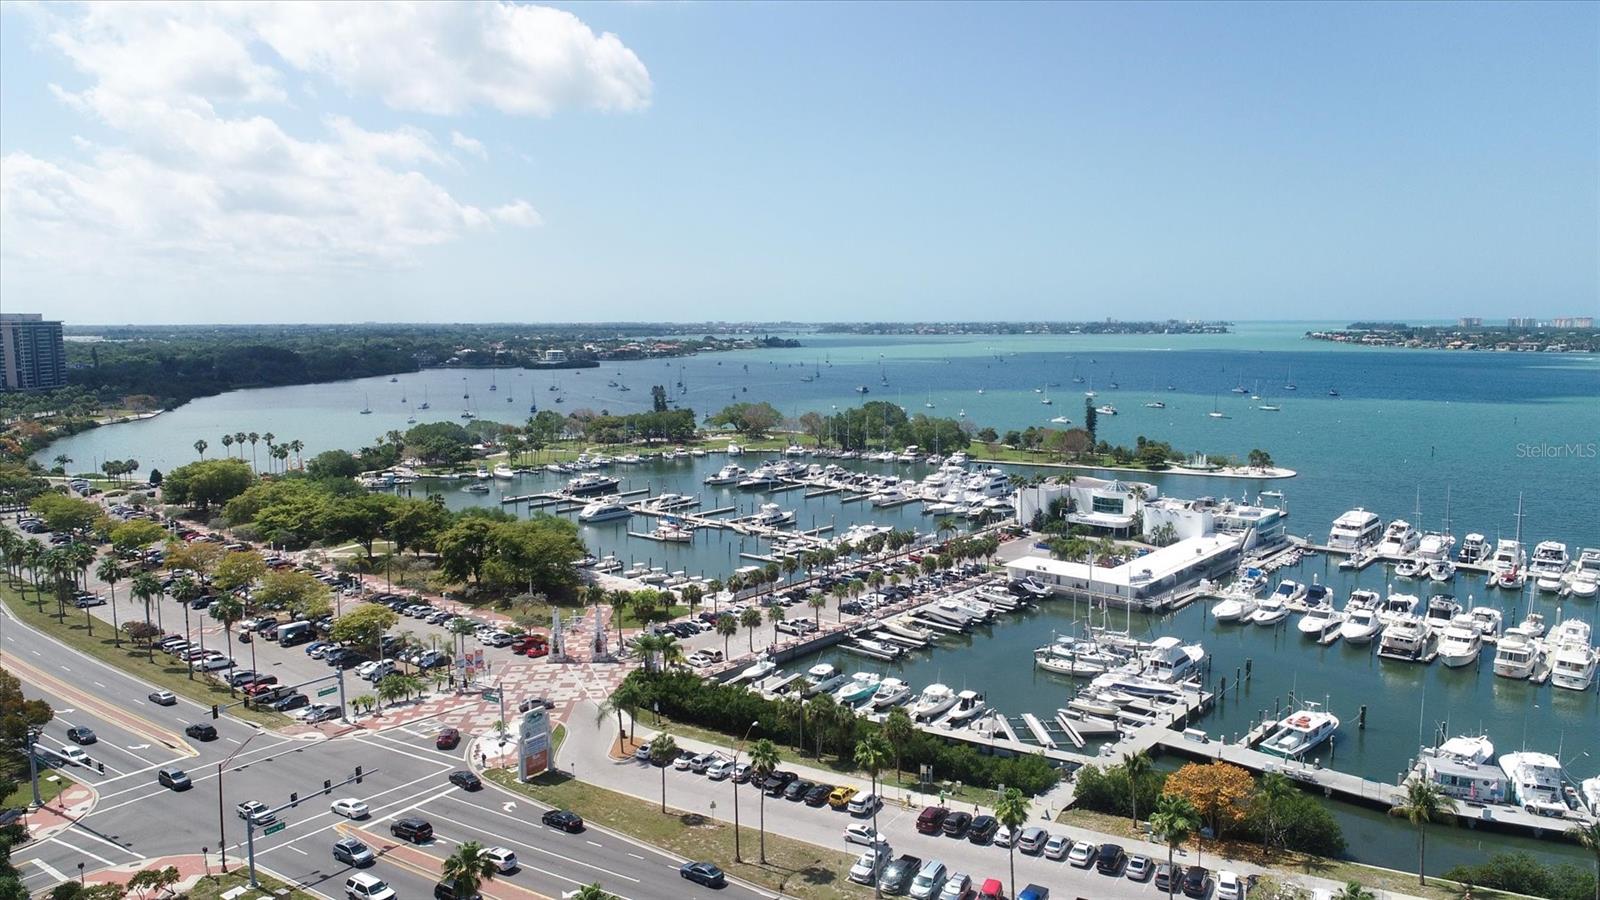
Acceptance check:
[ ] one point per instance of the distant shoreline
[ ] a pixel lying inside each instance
(1270, 472)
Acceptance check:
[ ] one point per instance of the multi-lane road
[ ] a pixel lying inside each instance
(135, 819)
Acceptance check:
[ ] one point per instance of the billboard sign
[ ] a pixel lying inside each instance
(533, 743)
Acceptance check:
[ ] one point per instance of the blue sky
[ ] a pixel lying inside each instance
(808, 161)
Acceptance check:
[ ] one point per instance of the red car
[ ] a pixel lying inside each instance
(448, 739)
(261, 685)
(537, 650)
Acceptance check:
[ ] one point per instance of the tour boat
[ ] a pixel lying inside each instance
(1462, 643)
(1354, 529)
(1301, 732)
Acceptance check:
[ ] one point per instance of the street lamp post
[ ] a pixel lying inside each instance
(735, 779)
(222, 821)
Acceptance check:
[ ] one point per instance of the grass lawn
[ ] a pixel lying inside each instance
(1291, 864)
(212, 887)
(557, 738)
(793, 867)
(49, 787)
(164, 671)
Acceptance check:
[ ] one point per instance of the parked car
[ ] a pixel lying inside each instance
(818, 795)
(863, 804)
(289, 702)
(1196, 882)
(983, 829)
(839, 797)
(563, 820)
(1168, 877)
(869, 866)
(1139, 868)
(1032, 840)
(1230, 886)
(777, 782)
(1058, 846)
(931, 819)
(929, 881)
(1108, 859)
(956, 887)
(1004, 836)
(897, 875)
(719, 770)
(991, 890)
(1034, 892)
(864, 834)
(956, 824)
(703, 873)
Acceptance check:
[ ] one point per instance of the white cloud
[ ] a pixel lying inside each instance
(470, 145)
(198, 170)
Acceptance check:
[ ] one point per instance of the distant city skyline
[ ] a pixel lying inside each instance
(808, 162)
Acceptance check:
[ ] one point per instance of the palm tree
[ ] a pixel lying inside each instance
(200, 447)
(109, 572)
(776, 615)
(663, 750)
(239, 438)
(253, 438)
(185, 590)
(822, 711)
(619, 601)
(763, 759)
(269, 437)
(1175, 819)
(1136, 766)
(227, 609)
(63, 460)
(899, 730)
(727, 626)
(751, 619)
(1012, 811)
(817, 601)
(1589, 836)
(1353, 890)
(871, 756)
(592, 892)
(1275, 790)
(146, 587)
(467, 869)
(297, 445)
(1423, 803)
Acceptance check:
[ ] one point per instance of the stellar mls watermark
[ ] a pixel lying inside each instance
(1544, 450)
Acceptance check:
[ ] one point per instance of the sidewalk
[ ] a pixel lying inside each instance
(585, 754)
(58, 815)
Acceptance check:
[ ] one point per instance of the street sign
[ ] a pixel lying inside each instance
(330, 689)
(275, 827)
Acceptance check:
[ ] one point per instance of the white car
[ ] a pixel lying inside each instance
(720, 769)
(957, 887)
(869, 866)
(211, 664)
(74, 755)
(1082, 854)
(256, 812)
(1229, 886)
(864, 834)
(1004, 837)
(349, 808)
(1058, 846)
(684, 761)
(362, 886)
(497, 639)
(505, 860)
(862, 804)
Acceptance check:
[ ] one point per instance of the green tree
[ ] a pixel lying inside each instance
(871, 755)
(1012, 811)
(1274, 793)
(111, 573)
(63, 513)
(1174, 820)
(364, 627)
(467, 869)
(749, 419)
(1587, 835)
(135, 535)
(900, 731)
(333, 464)
(727, 626)
(362, 518)
(1353, 890)
(1137, 767)
(1423, 804)
(228, 610)
(663, 750)
(207, 483)
(750, 618)
(465, 547)
(239, 569)
(764, 760)
(593, 892)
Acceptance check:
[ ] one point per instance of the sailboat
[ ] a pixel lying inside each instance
(1114, 384)
(1268, 407)
(1046, 398)
(1076, 378)
(424, 403)
(1216, 411)
(929, 404)
(1288, 382)
(465, 394)
(1090, 392)
(492, 385)
(366, 408)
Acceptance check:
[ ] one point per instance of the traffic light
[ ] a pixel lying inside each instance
(215, 711)
(294, 798)
(358, 774)
(327, 785)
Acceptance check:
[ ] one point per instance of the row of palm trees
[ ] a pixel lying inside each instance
(275, 451)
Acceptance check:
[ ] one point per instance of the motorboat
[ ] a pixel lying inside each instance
(1233, 607)
(969, 705)
(503, 471)
(891, 692)
(604, 511)
(1507, 564)
(1170, 660)
(1536, 783)
(1572, 658)
(860, 688)
(1463, 768)
(892, 496)
(1106, 410)
(1396, 606)
(932, 703)
(1516, 655)
(1301, 732)
(1584, 577)
(1461, 644)
(1405, 638)
(1435, 546)
(592, 483)
(729, 474)
(1320, 620)
(672, 531)
(1474, 549)
(874, 649)
(757, 671)
(1548, 566)
(1353, 529)
(1360, 625)
(1440, 611)
(1442, 571)
(1591, 793)
(1077, 658)
(761, 478)
(1288, 591)
(1532, 625)
(771, 515)
(1410, 569)
(1486, 619)
(823, 679)
(1398, 539)
(1270, 611)
(476, 488)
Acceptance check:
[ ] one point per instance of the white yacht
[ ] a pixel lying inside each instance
(673, 531)
(823, 679)
(1440, 612)
(1486, 619)
(934, 700)
(1410, 569)
(1356, 528)
(860, 688)
(1360, 625)
(729, 474)
(1319, 620)
(603, 511)
(1535, 782)
(1398, 606)
(1532, 625)
(1442, 571)
(771, 515)
(969, 705)
(1572, 659)
(1548, 567)
(1516, 655)
(1584, 576)
(1508, 564)
(1399, 539)
(1474, 549)
(592, 483)
(1435, 546)
(1301, 732)
(1404, 638)
(891, 692)
(1288, 591)
(1270, 611)
(761, 478)
(891, 496)
(1461, 645)
(1234, 605)
(503, 471)
(1172, 661)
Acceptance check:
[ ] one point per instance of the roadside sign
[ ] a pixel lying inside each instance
(275, 827)
(330, 689)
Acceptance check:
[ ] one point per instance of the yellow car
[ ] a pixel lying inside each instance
(840, 798)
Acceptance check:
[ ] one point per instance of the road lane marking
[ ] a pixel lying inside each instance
(82, 852)
(98, 684)
(297, 850)
(637, 856)
(593, 843)
(48, 869)
(528, 846)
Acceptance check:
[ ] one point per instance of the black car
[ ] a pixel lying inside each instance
(798, 789)
(818, 795)
(465, 780)
(446, 890)
(292, 701)
(413, 829)
(78, 734)
(776, 782)
(1196, 882)
(983, 829)
(897, 875)
(703, 873)
(563, 820)
(956, 824)
(201, 731)
(1109, 859)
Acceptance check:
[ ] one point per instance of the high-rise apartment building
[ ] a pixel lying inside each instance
(33, 356)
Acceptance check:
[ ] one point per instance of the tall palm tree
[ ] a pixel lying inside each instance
(593, 892)
(269, 437)
(1012, 812)
(200, 447)
(1588, 835)
(763, 760)
(61, 568)
(297, 445)
(751, 620)
(727, 626)
(253, 438)
(1136, 766)
(186, 590)
(146, 587)
(1423, 803)
(228, 609)
(1175, 819)
(227, 442)
(109, 572)
(817, 601)
(467, 869)
(1353, 890)
(1275, 790)
(239, 438)
(775, 614)
(663, 750)
(871, 755)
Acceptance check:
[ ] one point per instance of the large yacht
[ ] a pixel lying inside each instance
(1508, 563)
(1301, 732)
(1535, 782)
(1399, 539)
(771, 515)
(1463, 767)
(1356, 528)
(1172, 661)
(1572, 659)
(603, 511)
(1435, 546)
(728, 474)
(1516, 655)
(1584, 577)
(1548, 567)
(1360, 625)
(762, 478)
(1405, 638)
(1474, 549)
(592, 483)
(1461, 645)
(1398, 606)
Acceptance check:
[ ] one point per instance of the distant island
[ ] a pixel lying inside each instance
(1563, 335)
(1105, 326)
